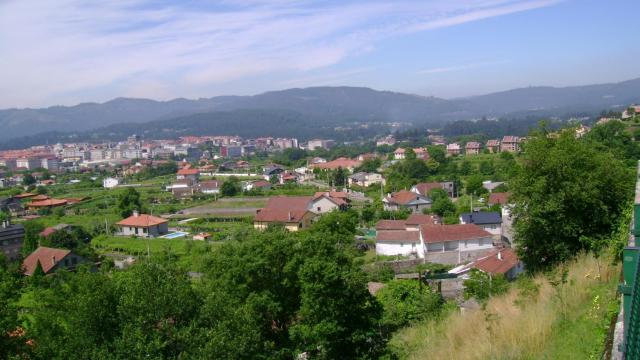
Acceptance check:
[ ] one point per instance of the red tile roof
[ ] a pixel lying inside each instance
(391, 225)
(24, 195)
(39, 198)
(261, 183)
(48, 202)
(333, 194)
(495, 265)
(280, 215)
(419, 219)
(48, 258)
(393, 235)
(510, 139)
(188, 172)
(142, 220)
(342, 162)
(403, 197)
(498, 198)
(491, 143)
(472, 145)
(47, 231)
(442, 233)
(399, 151)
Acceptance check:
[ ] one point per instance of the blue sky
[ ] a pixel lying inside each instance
(71, 51)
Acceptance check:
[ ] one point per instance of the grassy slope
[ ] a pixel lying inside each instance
(570, 323)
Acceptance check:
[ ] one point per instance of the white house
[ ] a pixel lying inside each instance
(143, 225)
(110, 182)
(366, 179)
(404, 199)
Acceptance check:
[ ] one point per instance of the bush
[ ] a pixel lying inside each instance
(406, 301)
(482, 286)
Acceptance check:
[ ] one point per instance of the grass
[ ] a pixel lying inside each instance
(563, 322)
(191, 254)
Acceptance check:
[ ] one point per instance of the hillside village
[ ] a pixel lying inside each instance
(434, 210)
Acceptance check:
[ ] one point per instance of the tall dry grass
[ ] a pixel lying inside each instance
(513, 326)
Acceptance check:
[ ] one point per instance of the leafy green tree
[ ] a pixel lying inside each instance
(465, 168)
(128, 201)
(443, 206)
(566, 188)
(10, 286)
(32, 230)
(339, 177)
(486, 168)
(370, 165)
(474, 185)
(41, 190)
(437, 153)
(28, 180)
(230, 187)
(406, 302)
(482, 286)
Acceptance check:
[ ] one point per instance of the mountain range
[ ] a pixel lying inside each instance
(307, 110)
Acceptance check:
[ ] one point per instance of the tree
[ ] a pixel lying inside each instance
(128, 201)
(465, 168)
(486, 168)
(10, 286)
(482, 286)
(474, 185)
(443, 206)
(230, 187)
(370, 165)
(31, 241)
(28, 180)
(339, 177)
(406, 302)
(565, 189)
(41, 190)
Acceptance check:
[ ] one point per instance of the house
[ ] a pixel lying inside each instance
(327, 201)
(52, 229)
(291, 219)
(454, 244)
(11, 205)
(493, 146)
(110, 182)
(188, 173)
(202, 236)
(453, 149)
(257, 185)
(182, 192)
(444, 244)
(472, 148)
(209, 186)
(401, 237)
(291, 211)
(388, 140)
(271, 170)
(11, 238)
(399, 154)
(582, 130)
(510, 144)
(143, 225)
(365, 179)
(46, 204)
(424, 188)
(342, 162)
(503, 262)
(421, 153)
(488, 221)
(51, 260)
(498, 198)
(404, 199)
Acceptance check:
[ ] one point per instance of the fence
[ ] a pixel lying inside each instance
(630, 287)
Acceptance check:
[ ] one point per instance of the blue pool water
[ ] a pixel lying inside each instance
(176, 234)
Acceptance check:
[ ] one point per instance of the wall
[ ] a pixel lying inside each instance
(396, 248)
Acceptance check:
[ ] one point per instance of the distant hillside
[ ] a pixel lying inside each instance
(319, 106)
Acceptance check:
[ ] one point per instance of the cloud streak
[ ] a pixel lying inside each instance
(75, 50)
(448, 69)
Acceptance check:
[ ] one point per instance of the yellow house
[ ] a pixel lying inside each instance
(293, 220)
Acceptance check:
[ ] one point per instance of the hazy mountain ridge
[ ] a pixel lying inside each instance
(320, 106)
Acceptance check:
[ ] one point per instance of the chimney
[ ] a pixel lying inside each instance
(289, 215)
(499, 255)
(53, 260)
(136, 213)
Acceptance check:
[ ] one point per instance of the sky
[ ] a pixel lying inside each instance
(66, 52)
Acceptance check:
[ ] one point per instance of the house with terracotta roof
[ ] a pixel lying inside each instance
(422, 153)
(503, 262)
(453, 149)
(46, 204)
(291, 219)
(498, 198)
(401, 237)
(51, 260)
(341, 162)
(510, 144)
(493, 146)
(327, 201)
(399, 153)
(472, 148)
(257, 185)
(188, 173)
(143, 225)
(424, 188)
(444, 244)
(209, 186)
(454, 244)
(405, 199)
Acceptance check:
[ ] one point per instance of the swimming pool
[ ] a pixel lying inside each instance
(175, 235)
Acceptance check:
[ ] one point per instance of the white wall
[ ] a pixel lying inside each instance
(322, 205)
(397, 248)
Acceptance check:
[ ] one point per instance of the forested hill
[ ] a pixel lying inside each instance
(316, 107)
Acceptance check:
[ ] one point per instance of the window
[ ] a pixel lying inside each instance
(5, 243)
(319, 209)
(401, 244)
(74, 261)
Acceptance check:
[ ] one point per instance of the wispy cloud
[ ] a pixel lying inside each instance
(72, 50)
(447, 69)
